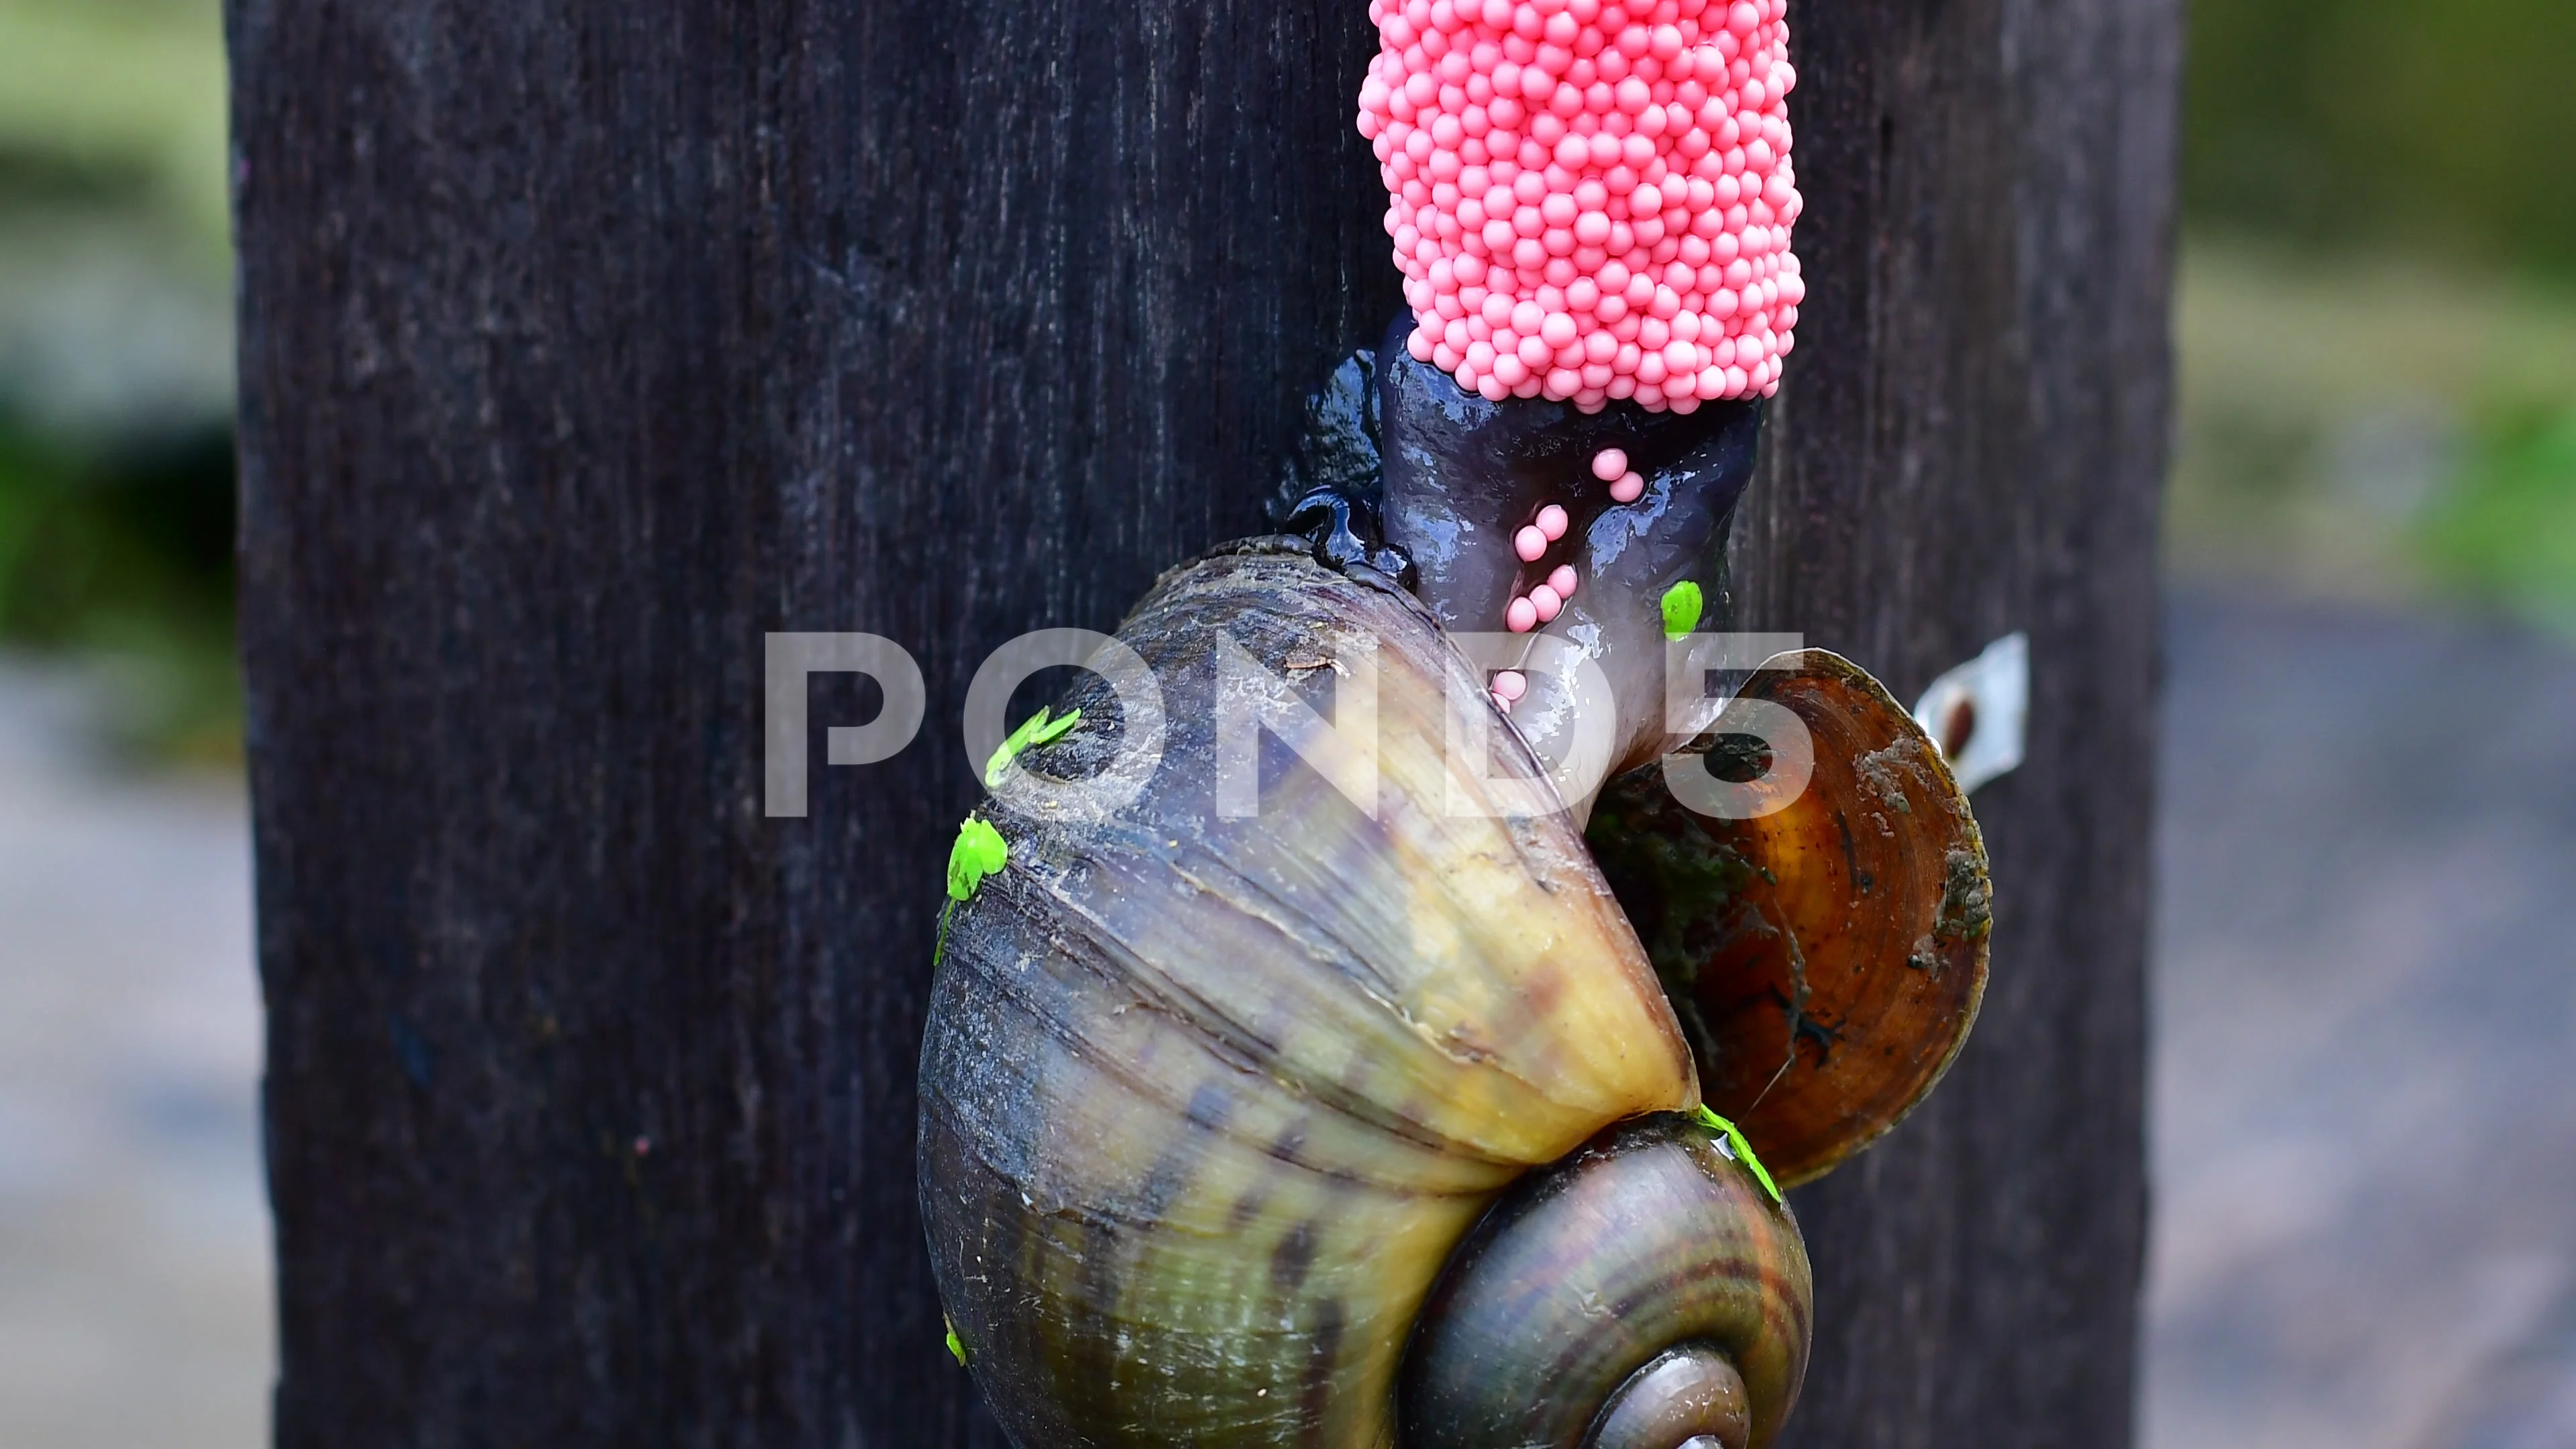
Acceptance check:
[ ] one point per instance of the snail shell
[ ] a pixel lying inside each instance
(1651, 1227)
(1828, 954)
(1209, 1104)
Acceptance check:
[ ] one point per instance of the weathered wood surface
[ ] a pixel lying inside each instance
(582, 347)
(1975, 429)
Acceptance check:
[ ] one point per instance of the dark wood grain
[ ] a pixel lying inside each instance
(583, 346)
(1973, 441)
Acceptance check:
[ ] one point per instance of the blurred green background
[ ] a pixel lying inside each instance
(116, 359)
(2377, 313)
(2377, 324)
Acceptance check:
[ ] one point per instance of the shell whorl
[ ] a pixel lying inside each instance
(1650, 1228)
(1207, 1103)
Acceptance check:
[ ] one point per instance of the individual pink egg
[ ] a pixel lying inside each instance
(1510, 684)
(1608, 464)
(1545, 601)
(1562, 581)
(1522, 616)
(1529, 543)
(1552, 524)
(1629, 488)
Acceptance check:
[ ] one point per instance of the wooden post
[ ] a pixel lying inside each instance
(584, 346)
(1975, 440)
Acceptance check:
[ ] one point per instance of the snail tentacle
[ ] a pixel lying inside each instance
(1331, 490)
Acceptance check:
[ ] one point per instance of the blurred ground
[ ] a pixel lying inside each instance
(2364, 1097)
(134, 1249)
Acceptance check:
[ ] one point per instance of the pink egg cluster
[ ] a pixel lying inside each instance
(1591, 198)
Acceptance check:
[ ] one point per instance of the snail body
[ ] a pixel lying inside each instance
(1210, 1102)
(1462, 473)
(1449, 477)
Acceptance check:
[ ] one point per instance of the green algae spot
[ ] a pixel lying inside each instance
(1734, 1136)
(980, 851)
(1037, 729)
(1683, 604)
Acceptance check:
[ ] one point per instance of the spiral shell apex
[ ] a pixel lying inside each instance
(1208, 1101)
(1651, 1227)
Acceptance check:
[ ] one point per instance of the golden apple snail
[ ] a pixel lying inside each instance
(1326, 1084)
(1209, 1102)
(1318, 1124)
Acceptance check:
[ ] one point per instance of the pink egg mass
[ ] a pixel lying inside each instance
(1590, 199)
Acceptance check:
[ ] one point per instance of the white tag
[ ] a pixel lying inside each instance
(1977, 712)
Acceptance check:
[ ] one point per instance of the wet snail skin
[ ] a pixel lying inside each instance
(1592, 207)
(1304, 1086)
